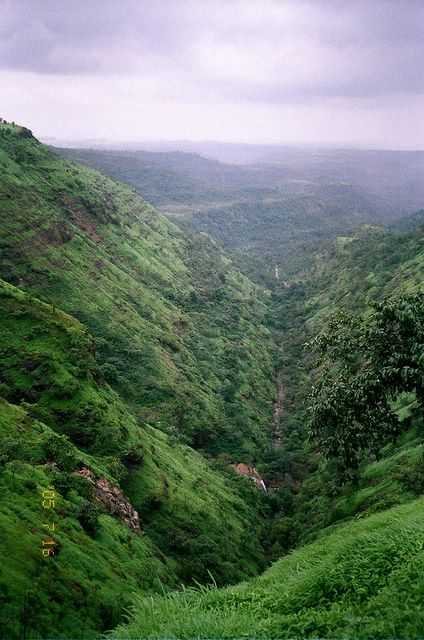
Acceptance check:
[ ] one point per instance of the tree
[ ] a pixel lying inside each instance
(362, 365)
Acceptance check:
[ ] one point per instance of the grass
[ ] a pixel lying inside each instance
(363, 581)
(123, 341)
(171, 316)
(57, 414)
(82, 588)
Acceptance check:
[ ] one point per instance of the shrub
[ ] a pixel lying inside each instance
(88, 517)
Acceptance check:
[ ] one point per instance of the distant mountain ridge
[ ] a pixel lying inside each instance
(285, 200)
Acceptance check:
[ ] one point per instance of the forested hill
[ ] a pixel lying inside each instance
(139, 365)
(348, 506)
(123, 341)
(179, 331)
(269, 211)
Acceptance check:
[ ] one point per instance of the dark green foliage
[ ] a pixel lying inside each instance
(413, 478)
(58, 448)
(170, 314)
(363, 366)
(88, 517)
(274, 210)
(351, 275)
(152, 309)
(174, 347)
(99, 560)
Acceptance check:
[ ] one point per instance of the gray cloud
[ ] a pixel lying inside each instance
(271, 50)
(277, 68)
(90, 36)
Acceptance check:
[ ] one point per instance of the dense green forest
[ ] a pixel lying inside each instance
(141, 359)
(177, 327)
(274, 204)
(123, 343)
(346, 513)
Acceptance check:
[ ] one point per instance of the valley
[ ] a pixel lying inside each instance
(277, 414)
(276, 202)
(147, 357)
(212, 320)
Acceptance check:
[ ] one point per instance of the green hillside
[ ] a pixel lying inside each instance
(352, 544)
(271, 211)
(348, 275)
(179, 332)
(58, 415)
(120, 341)
(362, 581)
(138, 363)
(368, 265)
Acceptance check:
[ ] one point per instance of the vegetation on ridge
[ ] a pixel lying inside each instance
(344, 582)
(119, 342)
(179, 332)
(58, 416)
(125, 340)
(364, 364)
(363, 581)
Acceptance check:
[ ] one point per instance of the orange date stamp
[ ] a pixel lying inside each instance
(49, 544)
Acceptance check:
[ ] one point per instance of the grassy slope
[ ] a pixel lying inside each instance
(68, 415)
(364, 580)
(326, 588)
(359, 269)
(350, 273)
(147, 306)
(49, 370)
(361, 576)
(360, 546)
(179, 331)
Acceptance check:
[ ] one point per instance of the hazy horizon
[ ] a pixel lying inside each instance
(267, 72)
(178, 144)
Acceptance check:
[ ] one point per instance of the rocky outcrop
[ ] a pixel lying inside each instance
(251, 473)
(112, 499)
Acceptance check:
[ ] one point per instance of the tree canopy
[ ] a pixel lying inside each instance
(362, 365)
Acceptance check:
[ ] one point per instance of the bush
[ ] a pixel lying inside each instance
(60, 450)
(88, 517)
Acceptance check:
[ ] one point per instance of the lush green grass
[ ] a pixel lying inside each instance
(373, 264)
(68, 417)
(123, 341)
(323, 502)
(350, 274)
(179, 332)
(342, 581)
(364, 580)
(84, 587)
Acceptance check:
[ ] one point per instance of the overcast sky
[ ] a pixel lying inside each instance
(339, 71)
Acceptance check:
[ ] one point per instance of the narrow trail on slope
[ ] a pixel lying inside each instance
(277, 433)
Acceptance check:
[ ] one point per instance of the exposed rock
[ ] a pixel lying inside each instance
(249, 472)
(112, 498)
